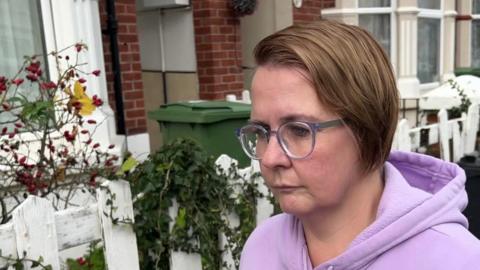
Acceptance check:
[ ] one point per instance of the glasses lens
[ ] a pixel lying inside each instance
(254, 140)
(297, 139)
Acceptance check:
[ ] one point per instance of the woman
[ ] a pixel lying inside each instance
(324, 111)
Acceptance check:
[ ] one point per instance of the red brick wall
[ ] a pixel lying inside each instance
(310, 10)
(132, 86)
(218, 49)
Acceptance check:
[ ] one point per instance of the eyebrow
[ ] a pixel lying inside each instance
(288, 118)
(260, 123)
(296, 117)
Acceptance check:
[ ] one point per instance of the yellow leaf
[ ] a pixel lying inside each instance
(128, 165)
(78, 91)
(87, 106)
(80, 96)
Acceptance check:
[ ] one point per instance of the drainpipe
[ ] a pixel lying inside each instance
(111, 31)
(162, 55)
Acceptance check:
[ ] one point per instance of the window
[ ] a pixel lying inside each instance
(476, 34)
(428, 41)
(376, 17)
(429, 4)
(20, 35)
(373, 3)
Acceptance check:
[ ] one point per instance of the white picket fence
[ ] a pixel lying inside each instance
(461, 131)
(37, 230)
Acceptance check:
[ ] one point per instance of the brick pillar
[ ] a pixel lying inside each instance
(310, 10)
(132, 86)
(218, 51)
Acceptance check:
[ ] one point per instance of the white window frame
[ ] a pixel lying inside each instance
(48, 33)
(393, 25)
(58, 36)
(475, 17)
(49, 39)
(434, 14)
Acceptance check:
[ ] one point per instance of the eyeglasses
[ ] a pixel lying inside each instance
(296, 138)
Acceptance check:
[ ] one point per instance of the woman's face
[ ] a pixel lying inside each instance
(320, 181)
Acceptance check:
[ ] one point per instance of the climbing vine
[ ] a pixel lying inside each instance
(182, 176)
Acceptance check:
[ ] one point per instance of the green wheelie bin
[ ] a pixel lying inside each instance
(210, 123)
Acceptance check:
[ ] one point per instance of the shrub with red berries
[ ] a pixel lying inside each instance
(47, 135)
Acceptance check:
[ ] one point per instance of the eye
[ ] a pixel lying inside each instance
(254, 133)
(297, 130)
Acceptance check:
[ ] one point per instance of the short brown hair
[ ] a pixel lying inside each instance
(352, 75)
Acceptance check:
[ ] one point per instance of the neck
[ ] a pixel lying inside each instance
(329, 232)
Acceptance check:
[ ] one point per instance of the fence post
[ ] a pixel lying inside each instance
(444, 134)
(403, 136)
(35, 231)
(457, 142)
(120, 243)
(471, 127)
(181, 260)
(225, 162)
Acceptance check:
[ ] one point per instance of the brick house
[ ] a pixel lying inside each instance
(171, 50)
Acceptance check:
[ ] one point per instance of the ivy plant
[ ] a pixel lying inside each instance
(465, 102)
(205, 196)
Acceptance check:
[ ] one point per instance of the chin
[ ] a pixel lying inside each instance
(300, 206)
(295, 206)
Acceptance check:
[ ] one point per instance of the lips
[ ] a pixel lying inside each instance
(285, 188)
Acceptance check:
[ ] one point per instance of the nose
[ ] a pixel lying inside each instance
(274, 156)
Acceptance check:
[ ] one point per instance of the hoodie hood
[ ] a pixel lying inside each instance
(420, 192)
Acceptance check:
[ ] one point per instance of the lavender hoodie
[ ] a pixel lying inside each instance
(419, 226)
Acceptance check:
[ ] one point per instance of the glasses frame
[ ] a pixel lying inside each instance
(314, 128)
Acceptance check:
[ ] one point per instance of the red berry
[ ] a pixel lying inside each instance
(78, 47)
(32, 77)
(18, 81)
(81, 261)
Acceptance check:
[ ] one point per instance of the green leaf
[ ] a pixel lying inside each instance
(181, 218)
(22, 100)
(18, 265)
(129, 164)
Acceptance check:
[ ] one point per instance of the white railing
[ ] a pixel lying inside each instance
(461, 131)
(37, 230)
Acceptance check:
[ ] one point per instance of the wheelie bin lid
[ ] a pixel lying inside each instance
(200, 111)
